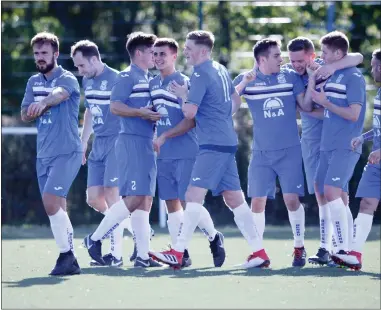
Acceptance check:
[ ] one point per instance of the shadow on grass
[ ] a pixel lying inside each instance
(318, 272)
(28, 282)
(216, 272)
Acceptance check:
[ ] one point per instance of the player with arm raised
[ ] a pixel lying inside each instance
(130, 99)
(344, 100)
(370, 183)
(52, 99)
(210, 103)
(302, 59)
(273, 94)
(176, 143)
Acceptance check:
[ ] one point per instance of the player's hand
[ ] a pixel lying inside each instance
(36, 109)
(324, 72)
(356, 142)
(249, 76)
(374, 157)
(84, 149)
(148, 114)
(320, 97)
(158, 142)
(312, 69)
(181, 91)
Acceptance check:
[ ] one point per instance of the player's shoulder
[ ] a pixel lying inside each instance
(287, 70)
(67, 74)
(125, 74)
(111, 72)
(66, 78)
(350, 74)
(182, 76)
(240, 76)
(36, 78)
(286, 74)
(287, 66)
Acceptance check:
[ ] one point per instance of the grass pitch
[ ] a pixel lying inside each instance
(29, 253)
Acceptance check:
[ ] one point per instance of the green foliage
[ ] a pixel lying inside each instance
(236, 25)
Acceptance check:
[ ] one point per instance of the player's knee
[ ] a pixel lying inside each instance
(368, 206)
(95, 203)
(258, 204)
(233, 199)
(51, 205)
(291, 201)
(173, 205)
(111, 195)
(194, 194)
(332, 193)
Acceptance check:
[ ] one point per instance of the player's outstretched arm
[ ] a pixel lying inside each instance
(317, 113)
(349, 60)
(246, 79)
(181, 128)
(367, 136)
(25, 117)
(350, 113)
(121, 109)
(305, 105)
(189, 110)
(58, 95)
(27, 102)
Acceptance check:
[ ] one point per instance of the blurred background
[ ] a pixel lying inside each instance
(236, 25)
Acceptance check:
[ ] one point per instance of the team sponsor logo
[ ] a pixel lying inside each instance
(164, 121)
(273, 107)
(281, 78)
(103, 85)
(97, 114)
(38, 83)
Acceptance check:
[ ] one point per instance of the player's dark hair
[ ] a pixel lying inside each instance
(171, 43)
(87, 48)
(300, 44)
(201, 37)
(262, 47)
(139, 41)
(377, 54)
(44, 37)
(336, 40)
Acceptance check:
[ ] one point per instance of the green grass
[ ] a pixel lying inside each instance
(29, 253)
